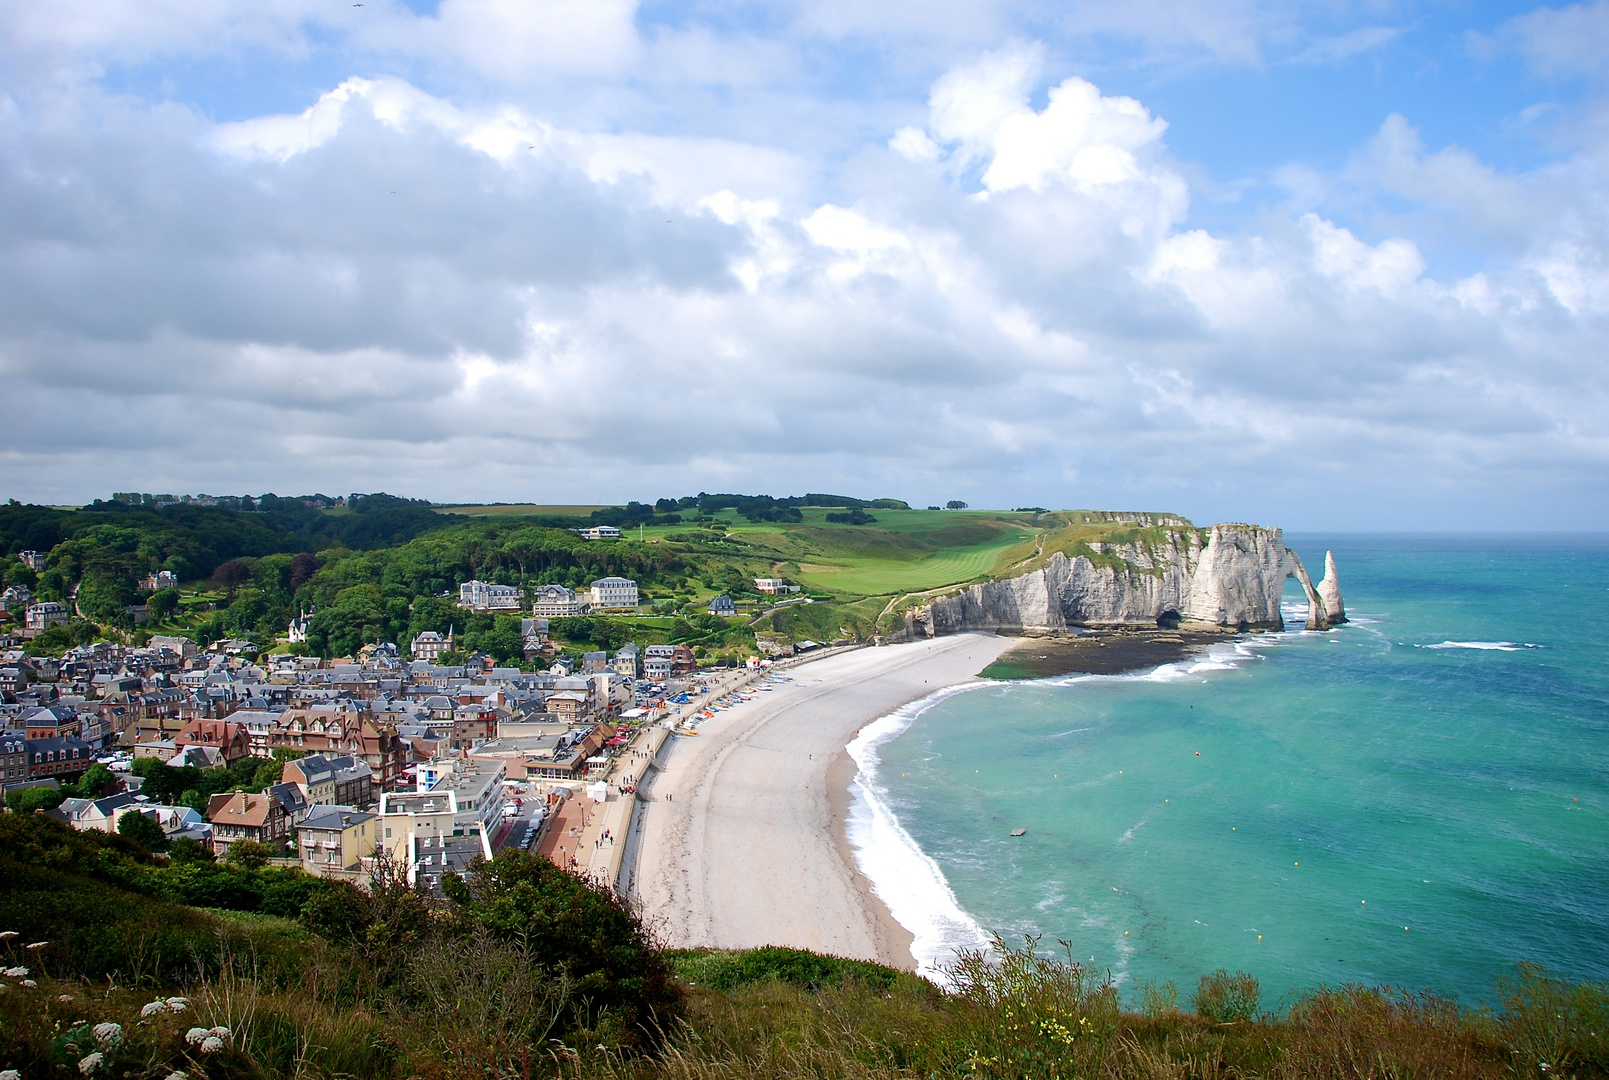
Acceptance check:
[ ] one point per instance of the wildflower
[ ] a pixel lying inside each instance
(177, 1004)
(37, 945)
(65, 999)
(176, 1074)
(10, 1074)
(211, 1044)
(195, 1035)
(108, 1035)
(220, 1031)
(153, 1008)
(29, 983)
(7, 935)
(15, 972)
(91, 1063)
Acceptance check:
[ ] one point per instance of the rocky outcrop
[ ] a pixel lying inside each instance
(1318, 617)
(1234, 578)
(1329, 591)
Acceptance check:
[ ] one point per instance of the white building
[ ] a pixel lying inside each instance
(614, 592)
(484, 596)
(600, 532)
(297, 632)
(557, 602)
(162, 579)
(33, 560)
(446, 826)
(774, 585)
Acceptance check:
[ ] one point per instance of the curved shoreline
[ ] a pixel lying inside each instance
(741, 838)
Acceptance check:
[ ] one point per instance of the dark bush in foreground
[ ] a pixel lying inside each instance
(581, 930)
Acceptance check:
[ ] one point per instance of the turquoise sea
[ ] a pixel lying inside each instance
(1418, 798)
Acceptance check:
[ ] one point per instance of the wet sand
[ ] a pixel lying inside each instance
(741, 838)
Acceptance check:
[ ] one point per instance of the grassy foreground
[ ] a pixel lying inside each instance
(780, 1013)
(107, 970)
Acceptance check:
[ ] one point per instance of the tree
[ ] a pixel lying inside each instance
(302, 568)
(188, 850)
(162, 604)
(93, 783)
(27, 800)
(143, 830)
(249, 854)
(955, 504)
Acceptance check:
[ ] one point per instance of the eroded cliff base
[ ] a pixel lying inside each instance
(1101, 652)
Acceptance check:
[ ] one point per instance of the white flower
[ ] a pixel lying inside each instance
(176, 1074)
(153, 1008)
(37, 945)
(195, 1035)
(211, 1044)
(65, 999)
(178, 1004)
(10, 1074)
(108, 1035)
(15, 972)
(7, 935)
(91, 1063)
(29, 983)
(221, 1031)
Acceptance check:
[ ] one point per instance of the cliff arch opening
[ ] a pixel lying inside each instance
(1317, 617)
(1168, 620)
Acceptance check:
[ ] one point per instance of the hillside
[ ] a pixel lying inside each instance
(381, 568)
(524, 970)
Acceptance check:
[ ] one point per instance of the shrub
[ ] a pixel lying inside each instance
(188, 850)
(27, 800)
(1033, 1014)
(248, 853)
(727, 971)
(1554, 1026)
(1363, 1031)
(143, 830)
(581, 930)
(1227, 999)
(1159, 1000)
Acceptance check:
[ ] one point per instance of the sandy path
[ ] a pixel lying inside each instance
(740, 839)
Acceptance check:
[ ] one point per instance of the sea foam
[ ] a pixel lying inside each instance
(902, 875)
(1485, 646)
(905, 877)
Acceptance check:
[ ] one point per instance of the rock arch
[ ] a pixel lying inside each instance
(1318, 617)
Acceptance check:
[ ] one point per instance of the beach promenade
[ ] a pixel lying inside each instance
(739, 839)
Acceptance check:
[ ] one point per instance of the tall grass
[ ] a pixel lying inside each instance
(479, 1007)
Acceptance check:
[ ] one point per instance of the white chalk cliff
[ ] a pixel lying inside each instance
(1329, 591)
(1234, 578)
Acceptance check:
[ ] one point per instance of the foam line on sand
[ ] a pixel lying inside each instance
(741, 838)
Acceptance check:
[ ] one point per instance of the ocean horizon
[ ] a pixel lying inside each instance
(1418, 798)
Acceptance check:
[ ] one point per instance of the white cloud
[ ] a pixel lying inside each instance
(467, 294)
(1570, 40)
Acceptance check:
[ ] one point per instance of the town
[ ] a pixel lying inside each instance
(390, 755)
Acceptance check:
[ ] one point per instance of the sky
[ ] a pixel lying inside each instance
(1327, 265)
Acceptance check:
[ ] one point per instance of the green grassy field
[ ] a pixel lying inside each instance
(517, 510)
(904, 551)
